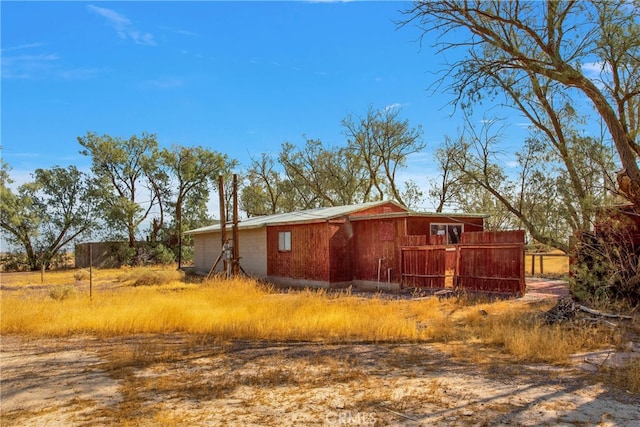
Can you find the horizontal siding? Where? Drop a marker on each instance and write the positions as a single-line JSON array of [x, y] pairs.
[[253, 251], [206, 248], [253, 259]]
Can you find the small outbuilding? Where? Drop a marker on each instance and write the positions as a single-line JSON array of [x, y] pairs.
[[333, 247]]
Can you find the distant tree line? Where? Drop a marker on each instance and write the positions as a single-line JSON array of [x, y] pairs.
[[137, 190], [133, 182]]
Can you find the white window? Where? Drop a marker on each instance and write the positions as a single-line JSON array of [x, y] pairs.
[[451, 232], [284, 241]]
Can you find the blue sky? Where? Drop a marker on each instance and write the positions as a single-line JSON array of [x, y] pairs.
[[237, 77]]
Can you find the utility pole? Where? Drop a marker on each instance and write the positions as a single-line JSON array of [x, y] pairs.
[[236, 243], [223, 220]]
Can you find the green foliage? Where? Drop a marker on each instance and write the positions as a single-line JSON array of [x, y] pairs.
[[124, 167], [192, 170], [122, 254], [163, 256], [531, 56], [47, 214], [187, 254], [14, 261]]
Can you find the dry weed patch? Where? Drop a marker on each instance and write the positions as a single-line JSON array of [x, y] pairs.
[[243, 309], [625, 377]]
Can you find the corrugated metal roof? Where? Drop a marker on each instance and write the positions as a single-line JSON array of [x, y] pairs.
[[325, 214], [311, 215]]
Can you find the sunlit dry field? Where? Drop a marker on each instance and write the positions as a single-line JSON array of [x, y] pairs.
[[550, 264], [151, 347]]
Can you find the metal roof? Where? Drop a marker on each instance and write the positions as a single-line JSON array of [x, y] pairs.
[[310, 215], [326, 214]]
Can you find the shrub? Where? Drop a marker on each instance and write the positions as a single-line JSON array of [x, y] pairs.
[[122, 253], [607, 266], [163, 256], [62, 292], [14, 261], [81, 274], [152, 277]]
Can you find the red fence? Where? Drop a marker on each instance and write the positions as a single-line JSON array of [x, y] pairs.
[[483, 261]]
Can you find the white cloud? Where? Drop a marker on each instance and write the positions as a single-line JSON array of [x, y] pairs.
[[28, 66], [595, 68], [123, 26], [392, 106], [179, 31], [22, 46]]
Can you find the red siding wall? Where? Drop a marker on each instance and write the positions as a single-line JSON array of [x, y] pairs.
[[377, 242], [384, 209], [484, 261], [340, 250], [309, 255]]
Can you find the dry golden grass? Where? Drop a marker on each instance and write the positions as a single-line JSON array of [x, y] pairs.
[[626, 377], [175, 347], [56, 277], [554, 263], [244, 309], [239, 309]]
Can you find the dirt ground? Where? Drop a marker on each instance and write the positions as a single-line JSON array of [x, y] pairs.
[[186, 380]]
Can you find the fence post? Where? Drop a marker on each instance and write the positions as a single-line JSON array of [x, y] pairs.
[[90, 271], [533, 264]]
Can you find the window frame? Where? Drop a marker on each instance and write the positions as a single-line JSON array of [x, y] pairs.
[[447, 230], [284, 241]]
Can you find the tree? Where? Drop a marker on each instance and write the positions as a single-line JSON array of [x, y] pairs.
[[317, 176], [536, 189], [448, 186], [193, 170], [548, 44], [363, 170], [45, 215], [264, 190], [129, 175], [383, 142]]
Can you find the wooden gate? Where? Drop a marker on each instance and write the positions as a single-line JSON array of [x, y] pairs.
[[482, 262]]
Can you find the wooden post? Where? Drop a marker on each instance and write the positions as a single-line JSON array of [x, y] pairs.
[[90, 270], [533, 265], [236, 243], [223, 220]]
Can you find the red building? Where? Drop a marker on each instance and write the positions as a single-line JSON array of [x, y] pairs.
[[359, 245]]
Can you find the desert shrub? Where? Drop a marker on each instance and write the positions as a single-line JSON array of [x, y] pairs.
[[122, 254], [62, 292], [151, 277], [187, 254], [81, 274], [606, 268], [14, 261], [163, 256]]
